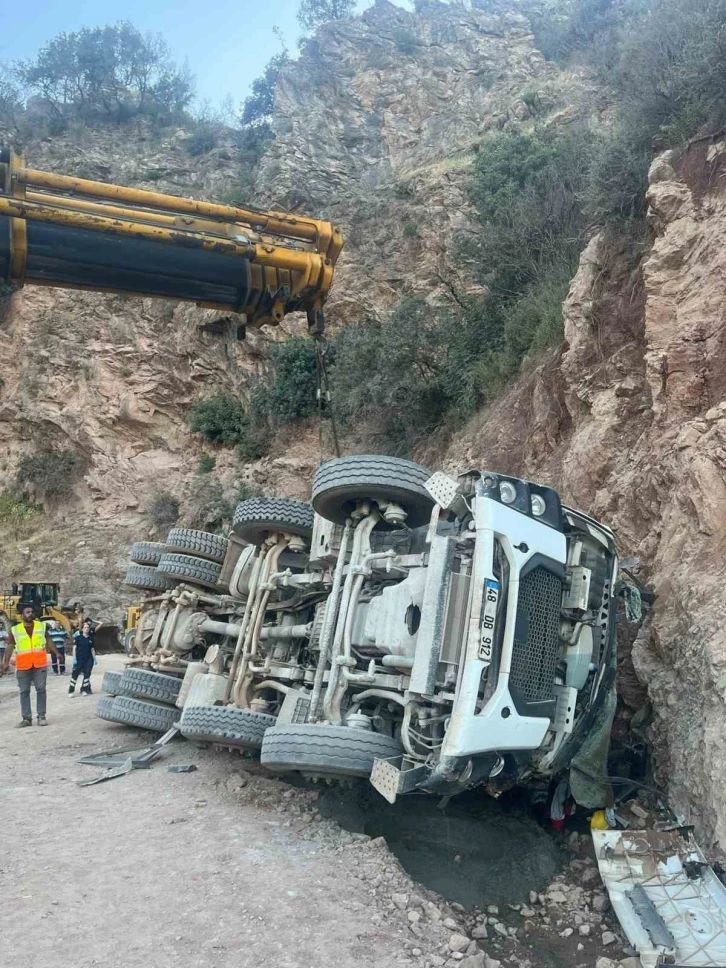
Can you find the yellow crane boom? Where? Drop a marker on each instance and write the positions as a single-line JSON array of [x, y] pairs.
[[56, 230]]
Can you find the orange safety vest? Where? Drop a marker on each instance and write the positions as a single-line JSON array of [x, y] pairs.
[[30, 649]]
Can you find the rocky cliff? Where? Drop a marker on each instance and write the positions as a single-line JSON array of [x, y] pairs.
[[628, 420], [377, 124]]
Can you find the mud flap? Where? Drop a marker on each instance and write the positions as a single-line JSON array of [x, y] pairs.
[[670, 903], [391, 778]]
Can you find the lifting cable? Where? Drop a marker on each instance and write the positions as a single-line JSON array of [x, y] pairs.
[[324, 396]]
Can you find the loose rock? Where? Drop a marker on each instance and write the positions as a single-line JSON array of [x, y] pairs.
[[458, 942]]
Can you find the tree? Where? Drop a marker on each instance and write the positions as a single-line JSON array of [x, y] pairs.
[[313, 13], [110, 74], [258, 107]]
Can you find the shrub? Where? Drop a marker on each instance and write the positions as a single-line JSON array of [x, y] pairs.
[[207, 463], [163, 509], [50, 474], [313, 13], [615, 190], [14, 511], [410, 230], [386, 375], [255, 443], [405, 41], [292, 393], [6, 294], [220, 419], [246, 491], [252, 144], [525, 190], [213, 512], [201, 142]]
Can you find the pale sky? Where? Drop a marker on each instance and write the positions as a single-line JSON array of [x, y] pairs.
[[226, 42]]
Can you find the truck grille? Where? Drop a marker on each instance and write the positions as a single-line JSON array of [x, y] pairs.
[[536, 636]]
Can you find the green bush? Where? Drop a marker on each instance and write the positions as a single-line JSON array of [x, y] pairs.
[[255, 444], [48, 474], [201, 142], [246, 491], [410, 230], [15, 512], [207, 463], [163, 509], [220, 419], [313, 13], [405, 41], [292, 393], [386, 378], [213, 511]]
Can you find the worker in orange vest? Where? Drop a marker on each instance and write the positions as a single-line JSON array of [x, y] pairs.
[[30, 639]]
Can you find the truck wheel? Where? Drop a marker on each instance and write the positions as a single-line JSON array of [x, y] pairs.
[[104, 709], [111, 684], [147, 552], [325, 750], [226, 725], [144, 576], [147, 715], [200, 544], [198, 571], [149, 685], [256, 517], [339, 483], [130, 642]]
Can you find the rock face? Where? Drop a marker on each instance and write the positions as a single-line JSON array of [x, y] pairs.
[[628, 420], [377, 125]]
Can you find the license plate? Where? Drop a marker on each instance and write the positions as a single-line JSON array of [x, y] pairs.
[[488, 619]]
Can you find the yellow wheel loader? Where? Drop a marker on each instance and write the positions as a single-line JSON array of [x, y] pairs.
[[43, 597]]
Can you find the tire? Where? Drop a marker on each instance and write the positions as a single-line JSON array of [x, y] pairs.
[[147, 577], [325, 750], [111, 684], [147, 552], [198, 571], [226, 725], [149, 685], [130, 642], [147, 715], [339, 483], [200, 544], [256, 517], [104, 709]]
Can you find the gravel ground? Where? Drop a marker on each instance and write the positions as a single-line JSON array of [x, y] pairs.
[[229, 867]]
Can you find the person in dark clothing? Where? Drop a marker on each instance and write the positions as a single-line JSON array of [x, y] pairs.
[[84, 658]]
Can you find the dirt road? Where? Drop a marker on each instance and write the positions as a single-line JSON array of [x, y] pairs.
[[159, 868], [220, 867]]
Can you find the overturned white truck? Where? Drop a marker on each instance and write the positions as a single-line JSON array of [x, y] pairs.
[[428, 632]]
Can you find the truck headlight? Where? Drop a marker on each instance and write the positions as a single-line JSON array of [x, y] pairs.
[[538, 505], [507, 492]]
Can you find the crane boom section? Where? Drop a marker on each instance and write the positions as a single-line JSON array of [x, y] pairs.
[[57, 230]]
